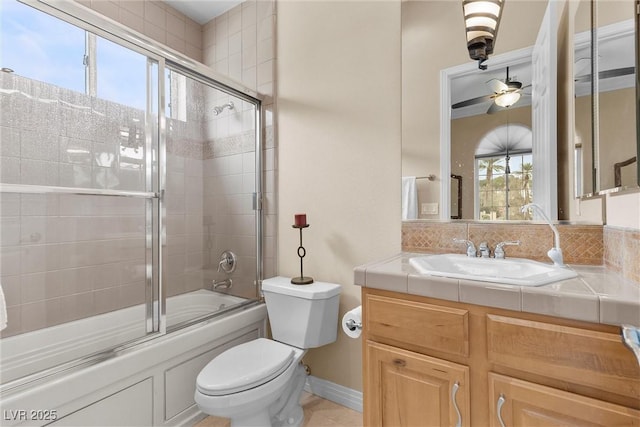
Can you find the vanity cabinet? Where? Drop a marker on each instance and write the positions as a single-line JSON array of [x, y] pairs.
[[522, 403], [412, 389], [435, 362]]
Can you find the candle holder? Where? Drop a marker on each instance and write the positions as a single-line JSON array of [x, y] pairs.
[[302, 280]]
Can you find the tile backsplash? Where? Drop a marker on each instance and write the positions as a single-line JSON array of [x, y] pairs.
[[616, 248]]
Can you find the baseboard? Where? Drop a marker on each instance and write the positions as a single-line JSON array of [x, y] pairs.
[[341, 395]]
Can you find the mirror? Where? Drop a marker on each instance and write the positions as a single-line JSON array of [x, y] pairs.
[[582, 104], [615, 152], [606, 138], [422, 24], [581, 171]]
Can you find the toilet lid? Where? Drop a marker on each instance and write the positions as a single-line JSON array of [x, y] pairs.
[[244, 366]]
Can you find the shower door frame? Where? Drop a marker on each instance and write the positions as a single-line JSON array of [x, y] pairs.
[[166, 58]]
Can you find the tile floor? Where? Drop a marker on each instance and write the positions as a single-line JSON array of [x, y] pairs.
[[317, 412]]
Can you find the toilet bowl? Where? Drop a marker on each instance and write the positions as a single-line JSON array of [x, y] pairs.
[[259, 383], [252, 383]]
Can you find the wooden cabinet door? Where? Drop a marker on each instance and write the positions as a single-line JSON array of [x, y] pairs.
[[521, 403], [404, 388]]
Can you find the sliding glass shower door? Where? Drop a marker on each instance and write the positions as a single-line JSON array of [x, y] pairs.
[[210, 192], [125, 180]]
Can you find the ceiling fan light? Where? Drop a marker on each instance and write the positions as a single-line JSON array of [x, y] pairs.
[[507, 99]]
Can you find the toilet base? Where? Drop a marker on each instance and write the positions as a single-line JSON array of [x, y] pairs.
[[287, 410]]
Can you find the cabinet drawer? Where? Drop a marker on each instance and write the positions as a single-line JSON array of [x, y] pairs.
[[579, 356], [417, 324]]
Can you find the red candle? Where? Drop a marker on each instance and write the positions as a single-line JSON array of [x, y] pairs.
[[300, 220]]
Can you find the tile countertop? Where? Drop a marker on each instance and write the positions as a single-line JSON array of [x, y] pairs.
[[597, 295]]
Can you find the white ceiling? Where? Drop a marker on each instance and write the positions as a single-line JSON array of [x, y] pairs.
[[203, 11]]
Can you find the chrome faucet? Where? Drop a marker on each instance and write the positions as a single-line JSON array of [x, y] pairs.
[[224, 284], [555, 253], [499, 252], [484, 249], [471, 248]]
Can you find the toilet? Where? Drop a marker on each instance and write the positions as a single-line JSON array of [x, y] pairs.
[[259, 383]]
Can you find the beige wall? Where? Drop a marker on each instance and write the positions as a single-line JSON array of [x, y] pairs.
[[339, 150]]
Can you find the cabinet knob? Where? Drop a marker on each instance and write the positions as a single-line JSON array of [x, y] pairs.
[[399, 363]]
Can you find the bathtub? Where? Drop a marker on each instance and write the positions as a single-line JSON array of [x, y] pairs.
[[150, 383]]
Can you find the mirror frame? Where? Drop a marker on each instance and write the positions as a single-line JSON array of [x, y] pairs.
[[514, 57]]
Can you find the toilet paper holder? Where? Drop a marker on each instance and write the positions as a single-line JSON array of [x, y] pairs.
[[352, 325]]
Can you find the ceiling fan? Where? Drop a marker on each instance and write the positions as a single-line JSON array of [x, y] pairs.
[[505, 94], [607, 74]]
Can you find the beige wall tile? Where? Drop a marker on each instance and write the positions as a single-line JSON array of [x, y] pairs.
[[175, 42], [193, 33], [154, 13], [108, 8], [176, 23], [155, 32], [135, 7], [132, 20]]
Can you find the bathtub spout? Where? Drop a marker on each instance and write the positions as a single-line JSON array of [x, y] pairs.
[[224, 284]]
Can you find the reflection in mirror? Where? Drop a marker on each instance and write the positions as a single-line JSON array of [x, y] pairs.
[[583, 117], [491, 144], [424, 149], [616, 147], [456, 196], [606, 140]]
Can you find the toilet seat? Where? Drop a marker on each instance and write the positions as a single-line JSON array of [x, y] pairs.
[[244, 367]]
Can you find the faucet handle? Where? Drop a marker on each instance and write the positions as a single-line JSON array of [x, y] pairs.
[[499, 252], [471, 248]]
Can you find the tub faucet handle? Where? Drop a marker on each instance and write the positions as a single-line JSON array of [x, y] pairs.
[[228, 262]]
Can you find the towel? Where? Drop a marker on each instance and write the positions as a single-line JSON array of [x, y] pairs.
[[409, 198], [3, 310]]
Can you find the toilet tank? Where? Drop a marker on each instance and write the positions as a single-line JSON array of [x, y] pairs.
[[304, 316]]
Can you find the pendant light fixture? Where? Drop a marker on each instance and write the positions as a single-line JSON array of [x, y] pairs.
[[481, 18]]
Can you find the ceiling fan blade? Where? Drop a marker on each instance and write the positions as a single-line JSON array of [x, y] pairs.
[[498, 86], [616, 72], [472, 101], [607, 74], [494, 108], [514, 85]]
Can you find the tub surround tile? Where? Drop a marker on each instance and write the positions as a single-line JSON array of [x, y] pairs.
[[597, 295]]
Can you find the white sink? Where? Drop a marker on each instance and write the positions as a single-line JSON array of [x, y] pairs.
[[510, 271]]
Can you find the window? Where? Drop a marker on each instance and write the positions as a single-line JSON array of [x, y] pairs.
[[504, 184]]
